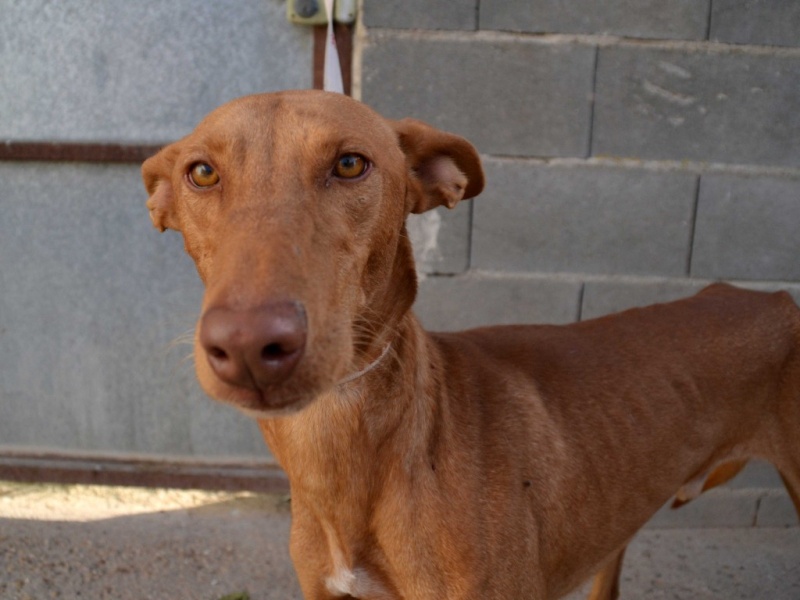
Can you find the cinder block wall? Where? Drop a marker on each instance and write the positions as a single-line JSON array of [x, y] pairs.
[[634, 151]]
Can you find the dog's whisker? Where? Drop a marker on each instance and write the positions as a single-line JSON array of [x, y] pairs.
[[187, 359], [187, 337]]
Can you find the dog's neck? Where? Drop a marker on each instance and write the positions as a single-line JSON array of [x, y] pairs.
[[330, 447]]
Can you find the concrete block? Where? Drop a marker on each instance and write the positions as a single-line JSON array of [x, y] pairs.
[[747, 228], [713, 105], [536, 218], [605, 296], [771, 23], [716, 508], [721, 564], [792, 288], [757, 474], [139, 71], [519, 97], [421, 14], [94, 310], [776, 510], [473, 300], [670, 19], [441, 239]]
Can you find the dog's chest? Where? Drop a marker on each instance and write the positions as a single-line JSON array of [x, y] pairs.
[[356, 583], [348, 580]]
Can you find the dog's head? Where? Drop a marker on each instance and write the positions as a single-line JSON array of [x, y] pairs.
[[293, 207]]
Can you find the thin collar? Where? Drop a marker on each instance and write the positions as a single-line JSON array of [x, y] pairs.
[[368, 368]]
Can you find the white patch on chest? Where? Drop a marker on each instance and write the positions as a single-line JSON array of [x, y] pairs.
[[341, 583], [347, 581], [356, 583]]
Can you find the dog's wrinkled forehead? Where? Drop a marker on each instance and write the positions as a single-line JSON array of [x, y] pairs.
[[307, 117]]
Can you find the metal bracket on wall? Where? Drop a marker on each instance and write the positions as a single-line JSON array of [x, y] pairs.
[[312, 12]]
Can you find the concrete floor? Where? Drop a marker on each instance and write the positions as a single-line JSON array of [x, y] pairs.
[[134, 544]]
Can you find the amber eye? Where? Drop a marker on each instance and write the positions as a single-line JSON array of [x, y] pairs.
[[203, 175], [350, 166]]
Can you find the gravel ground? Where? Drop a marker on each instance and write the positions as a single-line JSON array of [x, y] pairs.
[[135, 544]]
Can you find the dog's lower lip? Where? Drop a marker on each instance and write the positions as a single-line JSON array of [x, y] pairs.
[[261, 403], [252, 399]]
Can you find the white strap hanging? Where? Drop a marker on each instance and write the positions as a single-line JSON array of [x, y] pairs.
[[332, 71]]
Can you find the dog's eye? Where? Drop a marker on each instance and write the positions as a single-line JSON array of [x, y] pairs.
[[350, 166], [203, 175]]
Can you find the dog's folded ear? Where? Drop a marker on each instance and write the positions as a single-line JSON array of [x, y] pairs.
[[156, 173], [445, 168]]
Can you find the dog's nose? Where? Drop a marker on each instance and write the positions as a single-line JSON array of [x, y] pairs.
[[254, 348]]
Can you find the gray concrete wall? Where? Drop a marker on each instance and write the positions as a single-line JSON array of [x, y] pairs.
[[95, 305], [634, 151]]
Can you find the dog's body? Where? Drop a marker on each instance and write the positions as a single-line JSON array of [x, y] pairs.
[[499, 463]]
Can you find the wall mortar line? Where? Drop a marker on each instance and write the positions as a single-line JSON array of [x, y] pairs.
[[693, 225], [698, 167], [593, 103], [579, 39]]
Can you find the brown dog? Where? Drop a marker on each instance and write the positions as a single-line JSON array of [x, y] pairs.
[[502, 462]]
